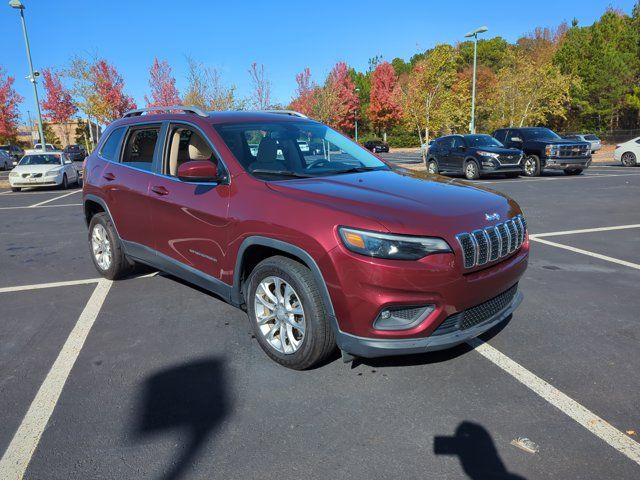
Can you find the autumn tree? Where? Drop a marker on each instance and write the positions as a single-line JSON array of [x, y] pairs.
[[344, 101], [9, 114], [207, 90], [112, 100], [260, 98], [384, 104], [163, 86], [58, 104], [306, 94]]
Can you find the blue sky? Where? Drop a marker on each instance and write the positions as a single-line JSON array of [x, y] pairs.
[[285, 36]]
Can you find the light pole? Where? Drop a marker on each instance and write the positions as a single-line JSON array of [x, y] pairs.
[[17, 4], [474, 34], [356, 113]]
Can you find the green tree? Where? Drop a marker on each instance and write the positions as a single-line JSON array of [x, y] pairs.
[[50, 136], [492, 53]]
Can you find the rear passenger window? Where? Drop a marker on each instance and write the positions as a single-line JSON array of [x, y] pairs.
[[141, 143], [110, 147]]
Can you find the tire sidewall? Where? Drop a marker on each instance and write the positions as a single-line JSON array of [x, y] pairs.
[[631, 156], [476, 174], [536, 168], [120, 266], [313, 313]]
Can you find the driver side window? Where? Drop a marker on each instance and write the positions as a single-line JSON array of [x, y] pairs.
[[185, 144]]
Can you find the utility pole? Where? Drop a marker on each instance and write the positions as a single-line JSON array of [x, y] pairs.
[[17, 4], [474, 34]]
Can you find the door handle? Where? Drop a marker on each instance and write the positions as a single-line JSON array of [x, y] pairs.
[[109, 176], [159, 190]]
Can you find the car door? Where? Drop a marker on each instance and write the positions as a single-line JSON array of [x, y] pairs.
[[69, 169], [509, 142], [444, 150], [189, 219], [457, 154], [125, 183]]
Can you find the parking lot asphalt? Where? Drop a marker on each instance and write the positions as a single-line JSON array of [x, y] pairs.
[[149, 377]]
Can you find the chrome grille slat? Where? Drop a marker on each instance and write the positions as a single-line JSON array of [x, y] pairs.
[[492, 243]]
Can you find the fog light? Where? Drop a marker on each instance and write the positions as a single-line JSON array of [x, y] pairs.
[[402, 318]]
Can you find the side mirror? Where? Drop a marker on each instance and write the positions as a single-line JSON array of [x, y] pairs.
[[516, 139], [461, 148], [198, 171]]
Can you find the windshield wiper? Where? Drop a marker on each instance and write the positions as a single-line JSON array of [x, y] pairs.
[[357, 169], [284, 173]]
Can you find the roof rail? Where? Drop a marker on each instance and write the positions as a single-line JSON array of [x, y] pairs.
[[292, 113], [183, 108]]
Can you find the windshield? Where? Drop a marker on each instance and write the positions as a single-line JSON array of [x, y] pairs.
[[276, 150], [590, 137], [482, 141], [539, 134], [41, 160]]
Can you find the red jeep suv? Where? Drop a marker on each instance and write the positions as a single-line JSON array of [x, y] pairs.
[[322, 247]]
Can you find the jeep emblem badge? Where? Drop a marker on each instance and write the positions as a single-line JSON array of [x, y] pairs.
[[492, 216]]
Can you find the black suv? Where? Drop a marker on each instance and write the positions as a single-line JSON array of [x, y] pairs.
[[376, 146], [546, 150], [77, 153], [473, 156]]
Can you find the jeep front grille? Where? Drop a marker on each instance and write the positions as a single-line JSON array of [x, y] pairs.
[[491, 243], [476, 315]]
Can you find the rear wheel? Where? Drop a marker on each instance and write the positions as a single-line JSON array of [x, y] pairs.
[[573, 171], [532, 166], [65, 182], [287, 313], [628, 159], [15, 189], [432, 167], [106, 249], [471, 170]]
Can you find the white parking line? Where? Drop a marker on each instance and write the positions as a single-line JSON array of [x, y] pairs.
[[587, 252], [42, 206], [16, 458], [38, 286], [543, 179], [55, 198], [589, 420], [584, 230]]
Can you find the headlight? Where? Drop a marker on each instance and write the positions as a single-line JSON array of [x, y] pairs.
[[14, 174], [488, 154], [398, 247], [551, 149], [52, 173]]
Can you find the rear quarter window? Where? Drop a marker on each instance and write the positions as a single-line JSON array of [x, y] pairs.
[[110, 147]]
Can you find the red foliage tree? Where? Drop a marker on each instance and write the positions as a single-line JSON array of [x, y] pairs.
[[58, 104], [261, 95], [113, 102], [163, 86], [305, 93], [9, 114], [346, 100], [384, 100]]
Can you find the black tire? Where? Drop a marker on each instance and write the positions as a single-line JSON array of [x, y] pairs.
[[432, 167], [532, 166], [319, 339], [628, 159], [120, 265], [65, 183], [15, 189], [471, 170], [513, 174], [573, 171]]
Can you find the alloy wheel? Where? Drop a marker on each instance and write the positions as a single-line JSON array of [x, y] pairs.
[[628, 159], [101, 247], [529, 166], [432, 168], [280, 315], [470, 170]]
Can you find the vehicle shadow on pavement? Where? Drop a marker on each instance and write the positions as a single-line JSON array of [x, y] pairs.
[[428, 357], [478, 455], [190, 398]]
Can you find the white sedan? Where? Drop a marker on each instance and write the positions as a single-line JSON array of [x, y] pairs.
[[43, 169], [628, 153]]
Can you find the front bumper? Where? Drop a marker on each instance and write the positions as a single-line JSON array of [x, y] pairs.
[[35, 182], [562, 163], [375, 347]]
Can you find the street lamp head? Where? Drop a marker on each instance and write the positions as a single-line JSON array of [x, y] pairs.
[[476, 31], [16, 4]]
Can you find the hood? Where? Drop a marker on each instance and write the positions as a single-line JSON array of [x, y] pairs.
[[499, 150], [404, 202], [35, 168], [561, 141]]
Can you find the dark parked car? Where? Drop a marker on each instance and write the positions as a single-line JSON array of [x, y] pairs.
[[77, 153], [319, 249], [474, 156], [376, 146], [14, 150], [546, 150]]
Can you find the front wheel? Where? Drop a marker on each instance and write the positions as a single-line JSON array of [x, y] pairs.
[[471, 170], [573, 171], [15, 189], [432, 167], [628, 159], [532, 166], [65, 183], [288, 315]]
